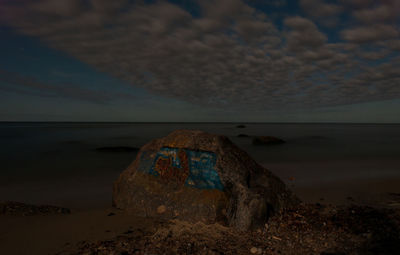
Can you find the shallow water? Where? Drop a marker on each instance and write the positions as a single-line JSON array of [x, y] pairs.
[[57, 162]]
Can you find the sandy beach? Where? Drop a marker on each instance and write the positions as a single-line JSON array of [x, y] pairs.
[[102, 230], [67, 233], [326, 177], [51, 234]]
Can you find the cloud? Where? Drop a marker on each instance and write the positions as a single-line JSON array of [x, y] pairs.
[[273, 3], [14, 82], [229, 56], [303, 34], [325, 13], [318, 8], [370, 33], [378, 14], [357, 3]]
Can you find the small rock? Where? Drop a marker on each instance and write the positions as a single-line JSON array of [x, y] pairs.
[[161, 209], [254, 250], [111, 214]]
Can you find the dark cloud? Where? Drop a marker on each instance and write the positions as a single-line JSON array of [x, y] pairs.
[[357, 3], [372, 33], [325, 13], [231, 55], [304, 34], [14, 82], [379, 14], [320, 8]]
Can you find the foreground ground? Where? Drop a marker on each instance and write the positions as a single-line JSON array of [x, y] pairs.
[[309, 229]]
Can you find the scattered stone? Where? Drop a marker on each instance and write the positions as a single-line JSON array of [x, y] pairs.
[[203, 177], [161, 209], [117, 149], [368, 231], [276, 238], [254, 250], [267, 140], [21, 209]]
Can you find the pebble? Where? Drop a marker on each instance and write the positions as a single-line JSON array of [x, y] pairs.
[[161, 209], [254, 250]]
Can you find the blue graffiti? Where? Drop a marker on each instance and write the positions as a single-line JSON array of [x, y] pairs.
[[191, 168]]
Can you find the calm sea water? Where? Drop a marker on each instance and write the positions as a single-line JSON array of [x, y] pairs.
[[57, 162]]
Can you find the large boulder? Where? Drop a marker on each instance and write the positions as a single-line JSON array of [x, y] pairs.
[[196, 176]]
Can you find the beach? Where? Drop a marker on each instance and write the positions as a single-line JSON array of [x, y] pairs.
[[60, 164]]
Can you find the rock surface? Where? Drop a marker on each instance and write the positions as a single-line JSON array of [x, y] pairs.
[[267, 140], [201, 177]]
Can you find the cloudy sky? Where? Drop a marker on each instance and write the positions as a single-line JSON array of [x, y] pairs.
[[187, 60]]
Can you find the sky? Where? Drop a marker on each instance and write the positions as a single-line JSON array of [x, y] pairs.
[[187, 60]]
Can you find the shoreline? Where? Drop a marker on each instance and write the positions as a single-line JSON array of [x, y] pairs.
[[309, 229], [91, 195]]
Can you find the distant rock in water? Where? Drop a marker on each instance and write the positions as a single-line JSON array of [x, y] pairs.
[[117, 149], [196, 176], [267, 140], [21, 209], [242, 135], [240, 126]]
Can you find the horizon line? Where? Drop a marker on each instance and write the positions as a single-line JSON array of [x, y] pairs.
[[195, 122]]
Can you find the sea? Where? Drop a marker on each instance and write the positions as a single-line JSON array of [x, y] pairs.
[[57, 162]]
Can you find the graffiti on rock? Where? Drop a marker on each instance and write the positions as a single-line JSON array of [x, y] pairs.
[[187, 167]]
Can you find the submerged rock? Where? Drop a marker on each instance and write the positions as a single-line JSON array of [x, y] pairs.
[[196, 176], [267, 140]]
